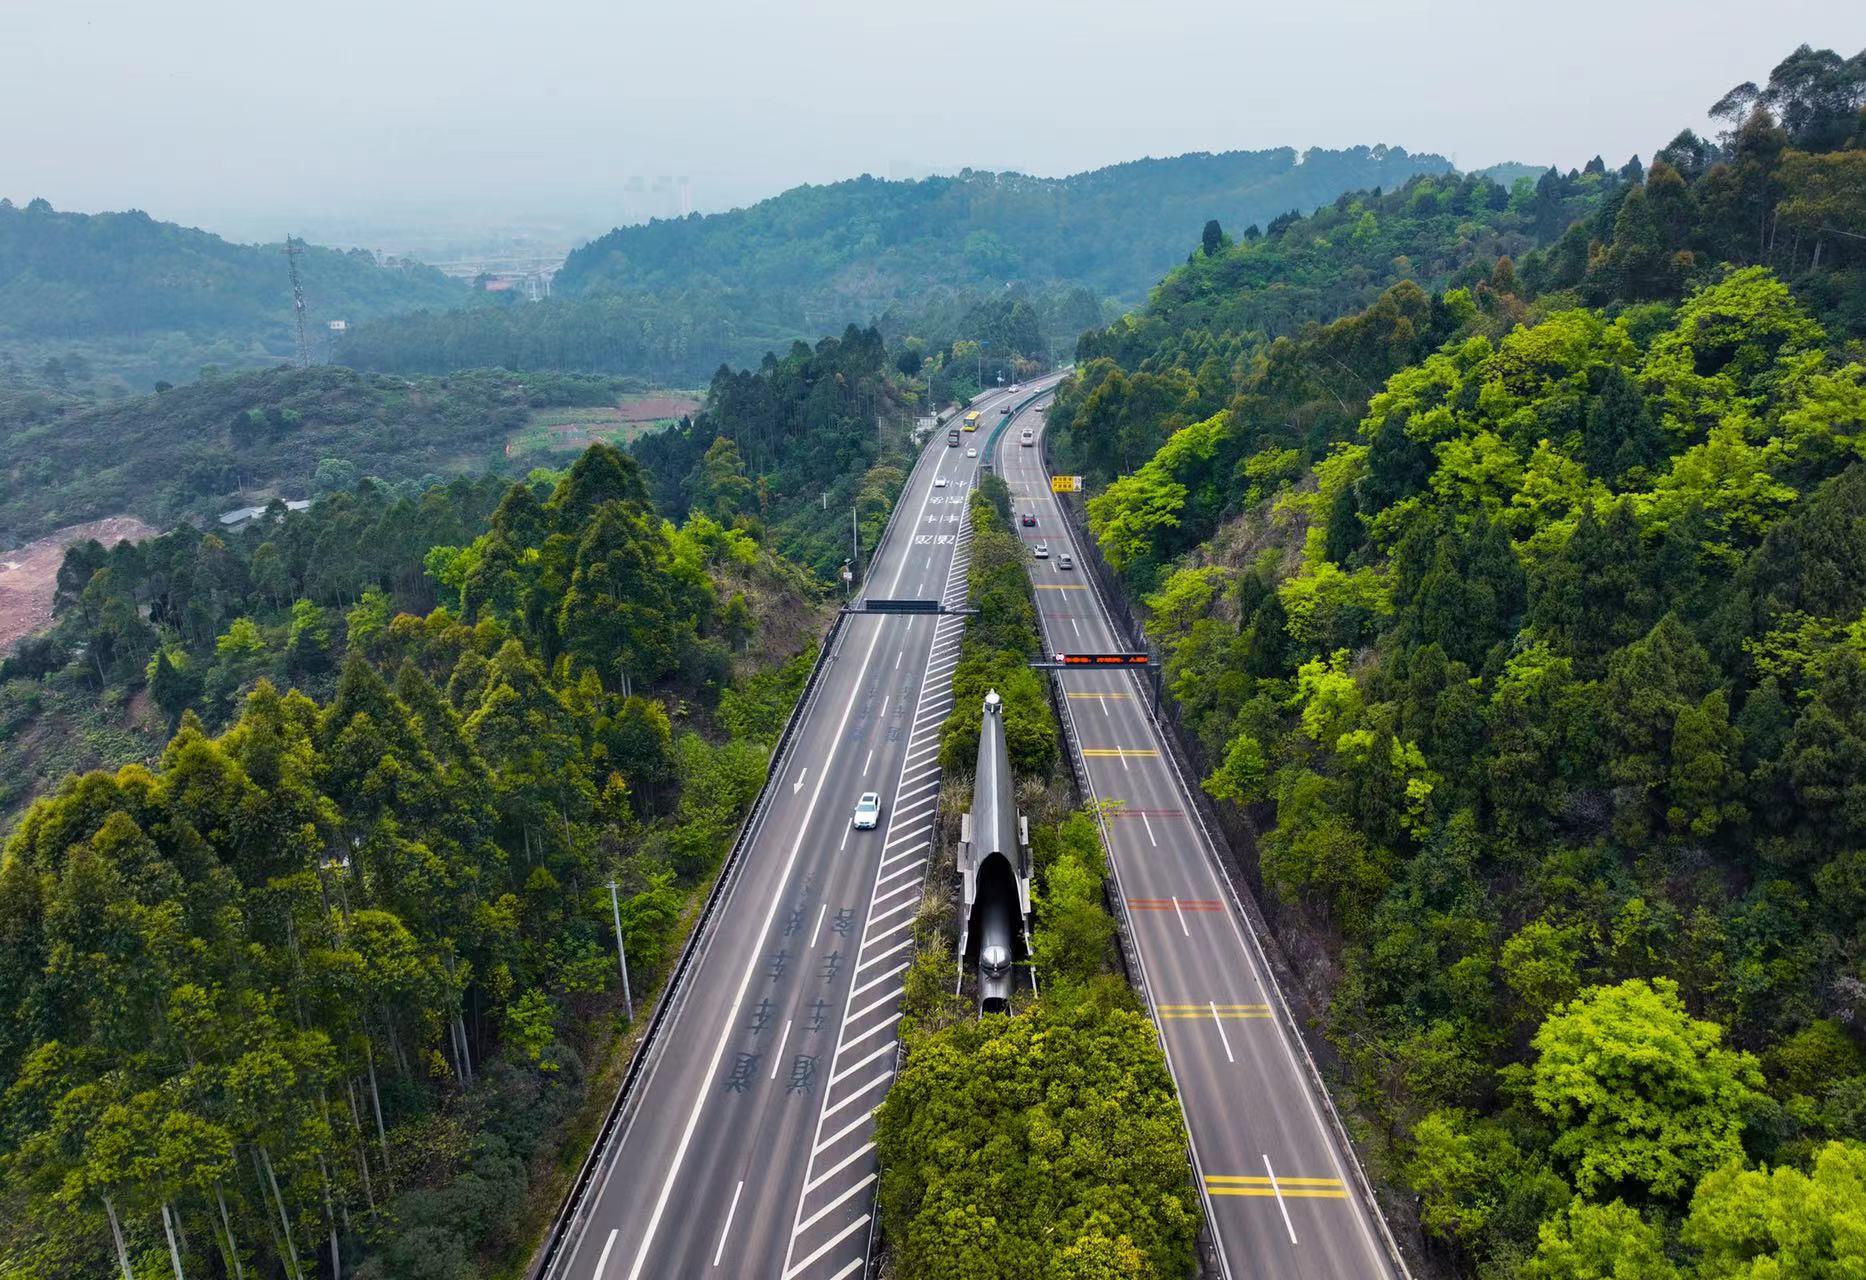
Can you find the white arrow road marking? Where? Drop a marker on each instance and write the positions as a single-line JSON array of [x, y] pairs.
[[797, 786]]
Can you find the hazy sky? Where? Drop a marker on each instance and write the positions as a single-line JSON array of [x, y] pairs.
[[243, 114]]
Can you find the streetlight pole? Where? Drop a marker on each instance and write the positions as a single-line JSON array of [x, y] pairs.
[[615, 905], [855, 542]]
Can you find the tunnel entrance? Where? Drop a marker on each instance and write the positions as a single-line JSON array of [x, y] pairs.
[[998, 941]]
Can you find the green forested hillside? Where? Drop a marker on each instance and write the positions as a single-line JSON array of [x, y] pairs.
[[862, 245], [203, 448], [773, 441], [674, 299], [1523, 623], [143, 299], [326, 982]]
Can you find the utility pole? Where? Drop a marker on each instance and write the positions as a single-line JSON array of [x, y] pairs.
[[855, 542], [291, 252], [615, 905]]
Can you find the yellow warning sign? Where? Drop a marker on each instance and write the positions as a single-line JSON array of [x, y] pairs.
[[1065, 484]]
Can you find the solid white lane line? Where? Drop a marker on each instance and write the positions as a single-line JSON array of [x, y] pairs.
[[1287, 1224], [779, 1055], [1219, 1023], [820, 913], [850, 1070], [844, 1132], [883, 1025], [875, 982], [1182, 918], [841, 1235], [603, 1261], [720, 1252], [1149, 826], [811, 1221], [827, 1174]]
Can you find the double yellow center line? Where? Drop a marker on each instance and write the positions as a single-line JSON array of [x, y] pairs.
[[1289, 1188]]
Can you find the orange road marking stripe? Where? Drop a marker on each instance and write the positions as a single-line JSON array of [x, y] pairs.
[[1289, 1188]]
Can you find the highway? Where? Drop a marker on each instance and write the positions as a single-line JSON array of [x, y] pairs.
[[1282, 1195], [745, 1148]]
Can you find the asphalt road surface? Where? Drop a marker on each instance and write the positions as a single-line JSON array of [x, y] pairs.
[[1281, 1193], [746, 1149]]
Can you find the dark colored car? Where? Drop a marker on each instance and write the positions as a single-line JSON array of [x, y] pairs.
[[1030, 520]]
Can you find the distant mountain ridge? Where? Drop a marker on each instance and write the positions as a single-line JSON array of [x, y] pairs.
[[855, 248], [149, 298], [675, 299]]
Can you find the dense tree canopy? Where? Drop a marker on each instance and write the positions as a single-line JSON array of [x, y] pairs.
[[1523, 623], [323, 982]]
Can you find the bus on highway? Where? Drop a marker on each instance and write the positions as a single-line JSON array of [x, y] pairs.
[[971, 421]]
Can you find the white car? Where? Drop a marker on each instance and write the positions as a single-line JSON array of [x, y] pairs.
[[868, 811], [939, 482], [1041, 551], [1065, 562], [971, 453]]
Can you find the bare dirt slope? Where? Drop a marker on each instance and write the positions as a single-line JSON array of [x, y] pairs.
[[29, 575]]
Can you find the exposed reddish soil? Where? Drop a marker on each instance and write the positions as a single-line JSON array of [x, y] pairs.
[[29, 576]]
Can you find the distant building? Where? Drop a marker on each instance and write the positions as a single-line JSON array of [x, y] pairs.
[[239, 519]]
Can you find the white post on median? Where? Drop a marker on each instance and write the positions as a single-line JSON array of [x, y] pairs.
[[615, 905]]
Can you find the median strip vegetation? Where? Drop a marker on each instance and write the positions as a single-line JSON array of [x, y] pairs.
[[1047, 1142]]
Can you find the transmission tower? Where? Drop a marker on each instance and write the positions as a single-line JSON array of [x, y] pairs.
[[291, 252]]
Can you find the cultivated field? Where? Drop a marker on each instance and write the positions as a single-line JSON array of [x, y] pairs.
[[568, 430]]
